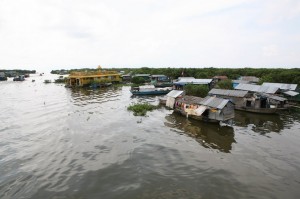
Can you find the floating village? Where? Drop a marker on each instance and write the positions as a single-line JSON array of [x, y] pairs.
[[217, 106]]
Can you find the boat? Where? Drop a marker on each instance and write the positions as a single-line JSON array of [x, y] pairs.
[[100, 85], [149, 90], [257, 110], [19, 78]]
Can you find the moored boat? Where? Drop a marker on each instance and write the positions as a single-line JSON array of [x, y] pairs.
[[149, 90]]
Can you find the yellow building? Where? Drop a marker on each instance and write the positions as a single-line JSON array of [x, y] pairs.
[[87, 78]]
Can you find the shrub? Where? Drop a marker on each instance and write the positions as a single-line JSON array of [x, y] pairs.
[[138, 80], [196, 90]]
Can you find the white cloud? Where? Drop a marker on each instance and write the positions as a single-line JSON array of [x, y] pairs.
[[134, 33]]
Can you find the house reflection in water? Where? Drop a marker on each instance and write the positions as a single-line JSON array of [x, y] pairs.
[[262, 123], [208, 135]]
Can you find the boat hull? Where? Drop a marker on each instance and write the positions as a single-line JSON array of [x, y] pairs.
[[150, 92], [262, 110]]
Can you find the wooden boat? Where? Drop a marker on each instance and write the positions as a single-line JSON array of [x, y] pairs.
[[100, 85], [257, 110], [19, 78], [149, 90]]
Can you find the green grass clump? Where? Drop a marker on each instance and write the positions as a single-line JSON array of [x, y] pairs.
[[141, 109]]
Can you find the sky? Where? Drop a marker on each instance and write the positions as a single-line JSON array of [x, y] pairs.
[[65, 34]]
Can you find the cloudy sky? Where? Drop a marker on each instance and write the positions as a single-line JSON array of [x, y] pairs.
[[54, 34]]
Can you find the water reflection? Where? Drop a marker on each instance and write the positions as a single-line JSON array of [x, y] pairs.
[[262, 123], [208, 135], [82, 96]]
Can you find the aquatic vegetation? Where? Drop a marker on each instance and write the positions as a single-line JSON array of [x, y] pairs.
[[140, 109]]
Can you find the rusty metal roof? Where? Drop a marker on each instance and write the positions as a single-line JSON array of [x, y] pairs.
[[188, 99], [214, 102]]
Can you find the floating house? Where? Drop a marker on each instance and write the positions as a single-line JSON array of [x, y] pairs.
[[290, 91], [209, 109], [257, 88], [219, 78], [19, 78], [3, 76], [250, 79], [161, 81], [149, 90], [286, 87], [252, 102], [179, 85], [292, 96], [171, 97], [126, 78], [82, 79], [146, 77], [237, 82]]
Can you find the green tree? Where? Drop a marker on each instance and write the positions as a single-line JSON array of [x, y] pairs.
[[138, 80], [224, 84], [196, 90]]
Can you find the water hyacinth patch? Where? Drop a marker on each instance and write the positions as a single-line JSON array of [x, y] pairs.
[[141, 109]]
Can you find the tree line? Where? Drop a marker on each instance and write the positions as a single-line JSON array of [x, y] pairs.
[[276, 75]]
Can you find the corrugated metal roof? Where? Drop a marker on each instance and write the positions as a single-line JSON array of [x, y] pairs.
[[282, 86], [174, 93], [291, 93], [220, 77], [214, 102], [142, 75], [231, 93], [158, 76], [240, 81], [257, 88], [274, 97], [193, 81], [179, 78], [249, 78]]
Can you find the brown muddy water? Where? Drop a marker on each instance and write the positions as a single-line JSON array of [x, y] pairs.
[[57, 142]]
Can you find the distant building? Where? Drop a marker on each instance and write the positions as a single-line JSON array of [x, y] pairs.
[[146, 77], [252, 101], [3, 76], [179, 85], [81, 79], [250, 79], [257, 88], [281, 86], [219, 78], [237, 82]]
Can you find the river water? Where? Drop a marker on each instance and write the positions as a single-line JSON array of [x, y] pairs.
[[57, 142]]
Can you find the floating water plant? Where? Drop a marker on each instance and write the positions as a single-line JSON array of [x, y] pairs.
[[141, 109]]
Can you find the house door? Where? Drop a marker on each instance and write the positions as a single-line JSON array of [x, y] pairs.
[[263, 103]]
